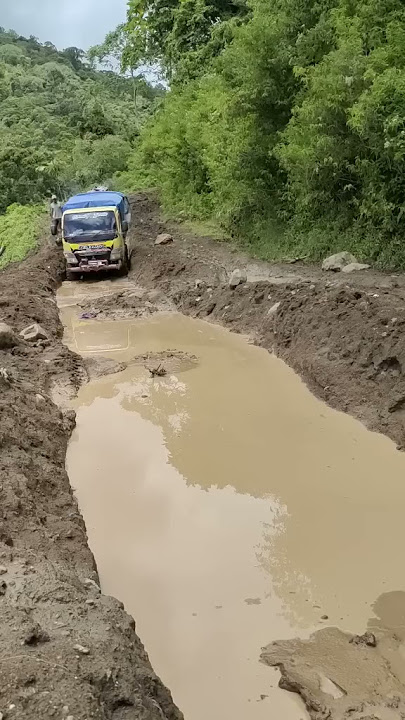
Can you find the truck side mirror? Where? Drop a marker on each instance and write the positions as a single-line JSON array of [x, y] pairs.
[[124, 226]]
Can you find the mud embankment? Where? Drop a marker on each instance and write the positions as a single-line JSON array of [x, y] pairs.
[[343, 334], [67, 651]]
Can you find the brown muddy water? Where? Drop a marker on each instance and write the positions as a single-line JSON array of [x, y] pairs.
[[225, 505]]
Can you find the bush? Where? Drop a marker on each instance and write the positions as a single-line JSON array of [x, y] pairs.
[[20, 229], [293, 135]]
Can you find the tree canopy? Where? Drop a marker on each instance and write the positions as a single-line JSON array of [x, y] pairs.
[[63, 123], [281, 113], [285, 119]]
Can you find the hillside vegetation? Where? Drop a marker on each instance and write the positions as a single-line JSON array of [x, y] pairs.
[[63, 124], [285, 120], [21, 227]]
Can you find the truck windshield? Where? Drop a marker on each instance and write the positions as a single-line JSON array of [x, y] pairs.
[[101, 224]]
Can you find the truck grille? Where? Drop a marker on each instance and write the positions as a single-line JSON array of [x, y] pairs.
[[83, 256]]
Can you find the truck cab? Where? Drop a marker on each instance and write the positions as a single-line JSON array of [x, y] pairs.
[[94, 233]]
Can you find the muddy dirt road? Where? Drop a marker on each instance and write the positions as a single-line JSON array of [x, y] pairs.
[[206, 523], [243, 510], [236, 510], [66, 651], [343, 334], [177, 533]]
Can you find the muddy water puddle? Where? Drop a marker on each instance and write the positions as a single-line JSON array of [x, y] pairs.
[[226, 506]]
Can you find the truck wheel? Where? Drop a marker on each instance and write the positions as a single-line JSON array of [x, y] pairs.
[[125, 265], [71, 275]]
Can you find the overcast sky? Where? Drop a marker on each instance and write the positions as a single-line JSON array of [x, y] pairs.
[[66, 23]]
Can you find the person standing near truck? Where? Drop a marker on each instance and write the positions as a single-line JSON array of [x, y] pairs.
[[55, 211]]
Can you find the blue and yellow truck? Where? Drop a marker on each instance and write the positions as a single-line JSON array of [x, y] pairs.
[[94, 233]]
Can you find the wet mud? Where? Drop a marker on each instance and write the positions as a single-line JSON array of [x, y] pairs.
[[344, 335], [66, 650], [324, 542], [243, 510], [176, 539]]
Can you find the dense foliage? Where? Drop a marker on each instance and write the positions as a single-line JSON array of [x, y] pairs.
[[285, 120], [63, 124], [20, 229]]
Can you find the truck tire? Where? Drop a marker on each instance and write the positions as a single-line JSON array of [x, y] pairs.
[[71, 275], [125, 265]]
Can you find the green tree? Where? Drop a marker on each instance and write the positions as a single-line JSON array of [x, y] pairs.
[[290, 111], [181, 35], [53, 103]]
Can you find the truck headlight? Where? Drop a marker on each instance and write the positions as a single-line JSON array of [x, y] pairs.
[[116, 254], [71, 258]]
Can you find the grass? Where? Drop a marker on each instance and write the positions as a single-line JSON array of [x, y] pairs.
[[205, 228], [265, 237], [20, 229]]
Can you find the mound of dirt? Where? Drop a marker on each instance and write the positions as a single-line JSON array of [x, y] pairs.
[[338, 678], [173, 361], [344, 336], [133, 302], [66, 651]]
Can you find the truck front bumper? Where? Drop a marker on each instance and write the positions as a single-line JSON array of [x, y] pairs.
[[94, 266]]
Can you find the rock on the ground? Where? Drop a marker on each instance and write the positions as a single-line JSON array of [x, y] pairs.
[[36, 635], [33, 333], [354, 267], [337, 262], [273, 310], [8, 338], [81, 649], [5, 378], [69, 419], [91, 584], [40, 400], [164, 239], [368, 638], [237, 278]]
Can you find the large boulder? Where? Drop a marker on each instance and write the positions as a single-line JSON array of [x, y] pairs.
[[164, 239], [237, 278], [33, 333], [337, 262], [355, 267], [8, 338]]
